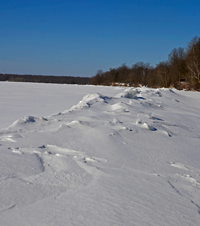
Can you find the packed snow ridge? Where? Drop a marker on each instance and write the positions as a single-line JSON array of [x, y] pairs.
[[127, 159]]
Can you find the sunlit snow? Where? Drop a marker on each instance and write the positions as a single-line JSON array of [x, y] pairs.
[[98, 156]]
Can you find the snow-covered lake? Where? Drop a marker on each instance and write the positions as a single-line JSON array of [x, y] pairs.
[[98, 156]]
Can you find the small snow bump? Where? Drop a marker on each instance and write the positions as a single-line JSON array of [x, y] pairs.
[[17, 152]]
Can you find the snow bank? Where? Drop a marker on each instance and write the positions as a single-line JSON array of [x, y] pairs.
[[108, 160]]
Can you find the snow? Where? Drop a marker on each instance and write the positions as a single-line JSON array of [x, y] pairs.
[[92, 155]]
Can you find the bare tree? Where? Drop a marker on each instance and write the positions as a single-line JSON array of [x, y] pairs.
[[176, 60], [163, 73], [193, 60], [141, 71]]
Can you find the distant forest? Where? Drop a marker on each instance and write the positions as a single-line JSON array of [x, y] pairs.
[[181, 70], [45, 79]]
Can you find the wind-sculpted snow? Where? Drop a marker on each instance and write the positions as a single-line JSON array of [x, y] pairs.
[[88, 100], [127, 159]]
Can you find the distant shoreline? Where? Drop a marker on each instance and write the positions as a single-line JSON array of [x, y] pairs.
[[45, 79]]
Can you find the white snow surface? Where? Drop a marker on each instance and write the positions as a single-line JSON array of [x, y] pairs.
[[98, 156]]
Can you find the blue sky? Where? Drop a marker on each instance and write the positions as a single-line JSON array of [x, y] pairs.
[[79, 37]]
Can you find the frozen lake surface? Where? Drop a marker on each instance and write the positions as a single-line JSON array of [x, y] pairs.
[[87, 155]]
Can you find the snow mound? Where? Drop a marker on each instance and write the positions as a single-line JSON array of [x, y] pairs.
[[146, 93], [128, 93], [27, 120], [119, 107], [88, 100], [32, 123]]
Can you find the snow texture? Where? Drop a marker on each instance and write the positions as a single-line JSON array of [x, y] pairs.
[[115, 157]]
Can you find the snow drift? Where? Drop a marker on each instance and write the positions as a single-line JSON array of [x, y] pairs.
[[127, 159]]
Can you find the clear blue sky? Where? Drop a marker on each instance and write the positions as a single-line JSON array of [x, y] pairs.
[[78, 37]]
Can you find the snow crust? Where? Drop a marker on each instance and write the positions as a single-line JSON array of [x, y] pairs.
[[116, 157]]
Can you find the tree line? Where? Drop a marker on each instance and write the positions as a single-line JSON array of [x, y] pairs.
[[45, 79], [180, 70]]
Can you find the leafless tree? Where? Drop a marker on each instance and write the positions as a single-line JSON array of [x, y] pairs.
[[193, 60], [141, 71], [176, 60], [163, 73]]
